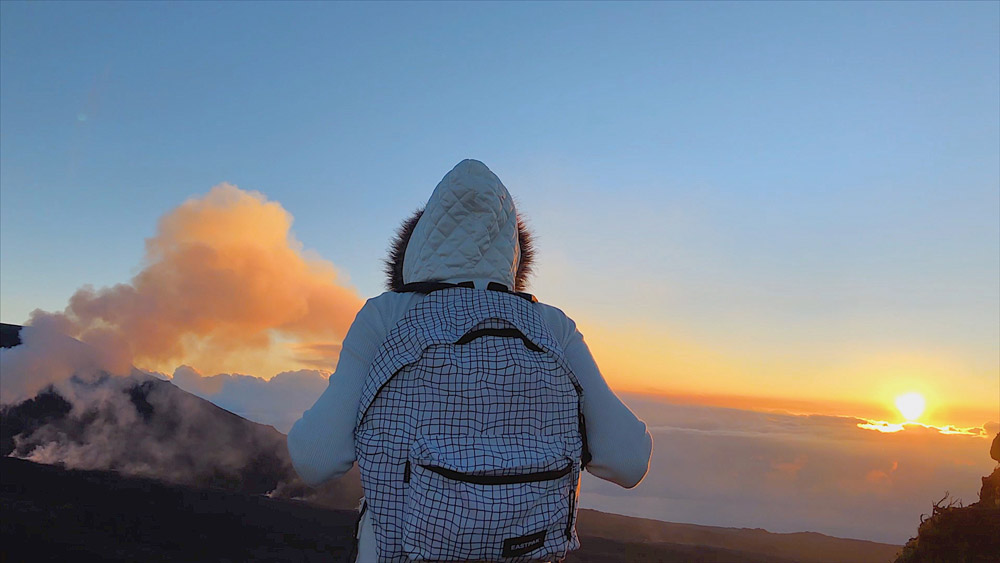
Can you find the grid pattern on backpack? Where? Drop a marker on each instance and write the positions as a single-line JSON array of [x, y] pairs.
[[471, 451]]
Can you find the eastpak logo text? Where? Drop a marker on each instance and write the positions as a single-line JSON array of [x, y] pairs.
[[512, 547]]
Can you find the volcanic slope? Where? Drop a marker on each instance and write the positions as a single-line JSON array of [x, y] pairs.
[[144, 426]]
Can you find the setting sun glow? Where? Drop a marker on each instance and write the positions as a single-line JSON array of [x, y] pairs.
[[911, 405]]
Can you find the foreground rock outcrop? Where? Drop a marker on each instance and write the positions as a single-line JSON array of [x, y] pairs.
[[967, 534]]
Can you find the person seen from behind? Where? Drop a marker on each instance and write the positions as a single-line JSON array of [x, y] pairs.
[[470, 407]]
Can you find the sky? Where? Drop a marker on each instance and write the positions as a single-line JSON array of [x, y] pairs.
[[767, 206]]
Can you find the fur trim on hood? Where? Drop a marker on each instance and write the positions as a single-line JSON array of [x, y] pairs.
[[397, 249]]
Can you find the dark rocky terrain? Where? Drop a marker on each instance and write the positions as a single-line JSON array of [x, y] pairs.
[[55, 514], [970, 534]]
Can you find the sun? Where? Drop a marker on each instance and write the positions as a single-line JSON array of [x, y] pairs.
[[911, 405]]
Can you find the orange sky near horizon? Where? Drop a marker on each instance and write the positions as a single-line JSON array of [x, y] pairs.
[[646, 361], [652, 361]]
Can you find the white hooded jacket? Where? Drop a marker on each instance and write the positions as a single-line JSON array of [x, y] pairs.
[[468, 231]]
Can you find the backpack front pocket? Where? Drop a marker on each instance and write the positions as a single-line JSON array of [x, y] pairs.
[[488, 498]]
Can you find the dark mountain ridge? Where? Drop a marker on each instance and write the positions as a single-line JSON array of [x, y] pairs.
[[252, 458]]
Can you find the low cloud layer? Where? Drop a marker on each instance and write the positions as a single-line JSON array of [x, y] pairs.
[[792, 473], [732, 467]]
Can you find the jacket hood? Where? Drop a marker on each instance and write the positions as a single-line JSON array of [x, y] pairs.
[[469, 230]]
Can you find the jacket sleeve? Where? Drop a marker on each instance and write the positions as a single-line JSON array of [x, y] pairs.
[[321, 443], [619, 443]]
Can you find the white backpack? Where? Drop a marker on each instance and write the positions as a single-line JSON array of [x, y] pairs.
[[470, 435]]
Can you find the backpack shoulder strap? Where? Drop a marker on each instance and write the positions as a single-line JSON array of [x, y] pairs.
[[426, 287], [494, 286]]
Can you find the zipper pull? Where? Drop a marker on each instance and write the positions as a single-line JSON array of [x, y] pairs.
[[406, 472]]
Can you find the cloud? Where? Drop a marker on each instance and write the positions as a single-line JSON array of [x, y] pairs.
[[920, 428], [47, 357], [318, 355], [224, 285], [790, 473], [278, 402]]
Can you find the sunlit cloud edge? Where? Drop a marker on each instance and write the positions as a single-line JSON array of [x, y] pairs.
[[892, 427]]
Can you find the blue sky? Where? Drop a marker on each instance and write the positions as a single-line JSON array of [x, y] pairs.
[[783, 184]]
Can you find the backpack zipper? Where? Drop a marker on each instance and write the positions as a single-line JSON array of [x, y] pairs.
[[572, 513], [495, 479]]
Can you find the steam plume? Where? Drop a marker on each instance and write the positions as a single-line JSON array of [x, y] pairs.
[[224, 281]]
